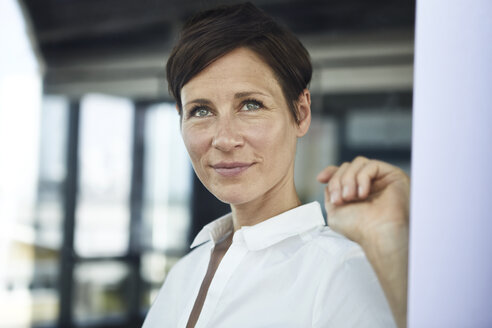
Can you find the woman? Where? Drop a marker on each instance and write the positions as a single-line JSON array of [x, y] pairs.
[[240, 83]]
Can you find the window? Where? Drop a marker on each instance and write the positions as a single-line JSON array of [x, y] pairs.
[[166, 197], [102, 216]]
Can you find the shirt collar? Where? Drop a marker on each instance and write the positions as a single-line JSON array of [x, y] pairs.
[[216, 231], [269, 232]]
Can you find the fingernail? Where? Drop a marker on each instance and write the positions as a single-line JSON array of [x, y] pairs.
[[345, 191], [334, 196], [360, 191]]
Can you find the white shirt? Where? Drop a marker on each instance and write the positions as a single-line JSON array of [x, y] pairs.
[[288, 271]]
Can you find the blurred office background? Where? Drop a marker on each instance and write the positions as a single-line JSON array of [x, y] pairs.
[[97, 196]]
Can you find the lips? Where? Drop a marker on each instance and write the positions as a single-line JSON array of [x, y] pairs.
[[231, 169]]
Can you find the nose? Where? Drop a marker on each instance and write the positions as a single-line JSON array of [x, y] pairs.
[[227, 135]]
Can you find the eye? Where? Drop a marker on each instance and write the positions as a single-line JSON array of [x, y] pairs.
[[252, 105], [200, 112]]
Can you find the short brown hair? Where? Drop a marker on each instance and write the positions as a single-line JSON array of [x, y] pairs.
[[211, 34]]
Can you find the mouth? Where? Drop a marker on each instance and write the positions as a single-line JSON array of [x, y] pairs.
[[231, 169]]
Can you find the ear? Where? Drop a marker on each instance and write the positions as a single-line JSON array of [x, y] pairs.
[[304, 112]]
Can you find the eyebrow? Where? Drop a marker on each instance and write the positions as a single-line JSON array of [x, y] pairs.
[[238, 95], [201, 101], [247, 94]]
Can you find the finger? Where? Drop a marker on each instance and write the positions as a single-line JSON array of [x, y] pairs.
[[373, 170], [364, 177], [349, 182], [342, 220], [385, 175], [325, 175], [334, 185], [329, 206]]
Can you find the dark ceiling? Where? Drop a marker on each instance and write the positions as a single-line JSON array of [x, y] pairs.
[[70, 33]]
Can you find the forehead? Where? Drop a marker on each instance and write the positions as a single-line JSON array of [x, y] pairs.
[[239, 70]]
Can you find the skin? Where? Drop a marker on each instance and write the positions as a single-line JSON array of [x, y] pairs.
[[226, 130], [223, 124]]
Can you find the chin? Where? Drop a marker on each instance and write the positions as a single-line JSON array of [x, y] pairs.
[[231, 199], [233, 196]]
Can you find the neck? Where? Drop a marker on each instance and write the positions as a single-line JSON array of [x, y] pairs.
[[279, 199]]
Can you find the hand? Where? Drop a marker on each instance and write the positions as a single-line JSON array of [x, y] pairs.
[[367, 201]]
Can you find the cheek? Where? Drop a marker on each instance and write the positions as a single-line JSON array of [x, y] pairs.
[[274, 140], [196, 142]]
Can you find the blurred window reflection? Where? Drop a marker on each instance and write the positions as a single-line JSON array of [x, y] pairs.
[[100, 291], [52, 171], [370, 128], [315, 150], [26, 262], [168, 181], [102, 217], [166, 197], [155, 267]]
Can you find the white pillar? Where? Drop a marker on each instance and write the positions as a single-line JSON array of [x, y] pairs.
[[451, 208]]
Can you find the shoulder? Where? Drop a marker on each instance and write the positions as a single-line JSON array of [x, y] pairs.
[[350, 293], [333, 245], [343, 260], [319, 247]]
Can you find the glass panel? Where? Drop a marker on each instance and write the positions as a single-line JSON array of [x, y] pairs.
[[369, 128], [49, 210], [317, 149], [52, 171], [154, 269], [100, 291], [102, 216], [20, 110], [33, 256], [166, 198], [167, 182]]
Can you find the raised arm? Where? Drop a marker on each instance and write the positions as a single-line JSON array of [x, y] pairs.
[[368, 202]]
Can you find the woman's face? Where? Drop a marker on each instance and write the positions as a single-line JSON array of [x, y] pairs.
[[238, 129]]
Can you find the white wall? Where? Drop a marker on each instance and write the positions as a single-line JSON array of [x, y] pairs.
[[451, 210]]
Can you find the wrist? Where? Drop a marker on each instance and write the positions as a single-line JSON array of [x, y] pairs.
[[388, 255], [386, 243]]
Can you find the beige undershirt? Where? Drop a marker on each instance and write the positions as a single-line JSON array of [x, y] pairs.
[[217, 254]]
